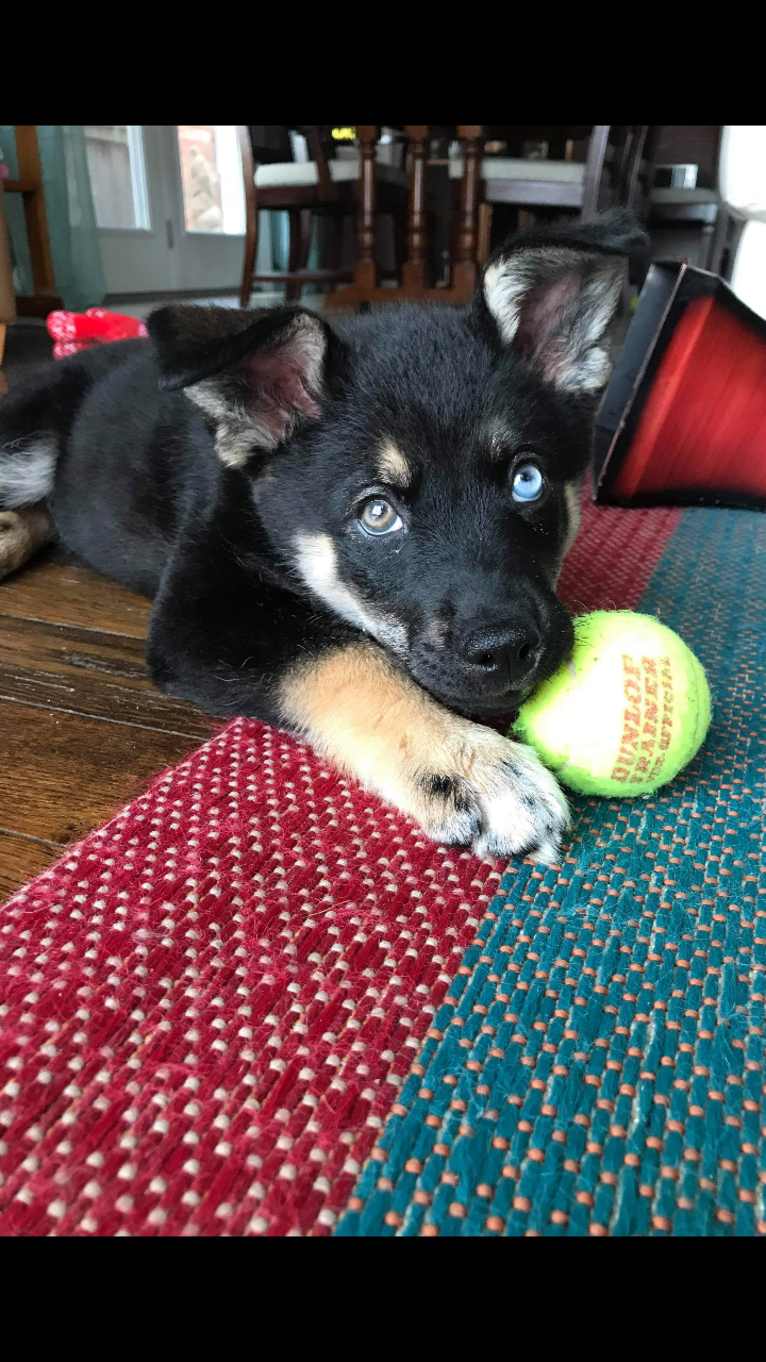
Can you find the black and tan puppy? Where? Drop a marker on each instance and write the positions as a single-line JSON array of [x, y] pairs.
[[355, 531]]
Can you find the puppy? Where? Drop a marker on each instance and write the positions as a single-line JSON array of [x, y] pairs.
[[351, 531]]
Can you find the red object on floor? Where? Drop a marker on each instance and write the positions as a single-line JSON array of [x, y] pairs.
[[209, 1005], [75, 331], [703, 427], [683, 420], [632, 552]]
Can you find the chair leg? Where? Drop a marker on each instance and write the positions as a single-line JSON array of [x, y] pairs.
[[400, 242], [718, 241], [292, 287], [594, 167], [248, 266], [734, 229], [251, 215], [485, 232], [300, 242], [338, 234], [633, 167], [434, 263], [306, 222]]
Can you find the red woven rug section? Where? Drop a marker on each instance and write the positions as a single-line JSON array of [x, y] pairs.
[[210, 1004], [614, 555]]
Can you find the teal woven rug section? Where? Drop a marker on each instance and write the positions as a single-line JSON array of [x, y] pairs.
[[598, 1064]]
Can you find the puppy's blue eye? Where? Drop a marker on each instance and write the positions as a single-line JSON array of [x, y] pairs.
[[378, 516], [527, 482]]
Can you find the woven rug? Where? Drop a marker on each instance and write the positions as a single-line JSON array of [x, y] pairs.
[[259, 1002]]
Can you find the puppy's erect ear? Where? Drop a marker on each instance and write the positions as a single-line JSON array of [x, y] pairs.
[[254, 375], [552, 294]]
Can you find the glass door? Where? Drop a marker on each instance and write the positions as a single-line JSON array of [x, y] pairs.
[[211, 208], [126, 175], [169, 206]]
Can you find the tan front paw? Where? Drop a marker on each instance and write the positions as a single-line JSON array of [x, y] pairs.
[[463, 783]]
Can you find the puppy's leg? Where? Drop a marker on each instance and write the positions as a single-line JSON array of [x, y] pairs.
[[253, 648], [462, 782], [22, 533]]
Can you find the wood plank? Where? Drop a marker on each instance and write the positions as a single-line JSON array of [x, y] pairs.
[[63, 594], [69, 648], [21, 858], [93, 698], [84, 671], [19, 186], [62, 774]]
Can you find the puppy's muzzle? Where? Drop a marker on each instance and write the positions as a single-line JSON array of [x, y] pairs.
[[495, 660]]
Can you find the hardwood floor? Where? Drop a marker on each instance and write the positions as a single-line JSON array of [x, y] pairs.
[[82, 729]]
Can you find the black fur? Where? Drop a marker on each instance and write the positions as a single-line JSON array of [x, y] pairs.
[[300, 410]]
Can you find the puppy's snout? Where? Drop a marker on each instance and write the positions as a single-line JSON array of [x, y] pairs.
[[510, 649]]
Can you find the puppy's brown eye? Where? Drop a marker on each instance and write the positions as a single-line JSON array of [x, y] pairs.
[[378, 516]]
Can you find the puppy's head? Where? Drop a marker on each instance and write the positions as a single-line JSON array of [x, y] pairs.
[[418, 471]]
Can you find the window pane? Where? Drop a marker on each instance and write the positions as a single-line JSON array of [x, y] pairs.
[[117, 175], [211, 174]]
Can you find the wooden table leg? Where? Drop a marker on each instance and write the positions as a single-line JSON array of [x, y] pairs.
[[464, 269], [413, 272], [365, 274]]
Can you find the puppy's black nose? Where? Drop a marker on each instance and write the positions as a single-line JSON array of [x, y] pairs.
[[509, 649]]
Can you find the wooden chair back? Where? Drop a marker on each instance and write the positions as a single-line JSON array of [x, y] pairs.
[[336, 197]]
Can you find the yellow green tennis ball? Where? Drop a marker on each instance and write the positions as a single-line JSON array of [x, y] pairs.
[[626, 713]]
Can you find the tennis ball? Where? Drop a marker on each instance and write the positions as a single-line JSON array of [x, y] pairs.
[[628, 710]]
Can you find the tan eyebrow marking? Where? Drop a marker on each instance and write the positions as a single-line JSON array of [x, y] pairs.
[[393, 467], [498, 439]]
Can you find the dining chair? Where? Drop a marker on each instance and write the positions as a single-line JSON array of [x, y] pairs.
[[678, 214], [324, 185], [609, 172]]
